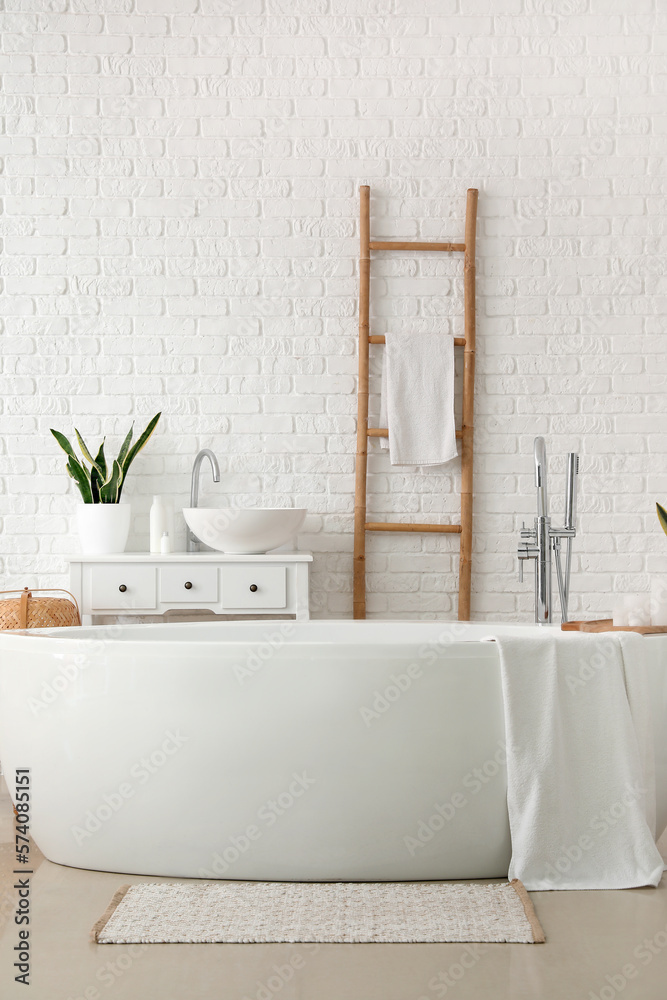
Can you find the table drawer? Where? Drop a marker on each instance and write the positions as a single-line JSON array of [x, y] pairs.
[[188, 584], [115, 586], [254, 586]]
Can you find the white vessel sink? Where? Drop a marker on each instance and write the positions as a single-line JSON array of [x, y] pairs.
[[244, 532]]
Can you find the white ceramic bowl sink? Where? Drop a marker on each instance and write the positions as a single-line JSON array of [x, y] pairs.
[[244, 532]]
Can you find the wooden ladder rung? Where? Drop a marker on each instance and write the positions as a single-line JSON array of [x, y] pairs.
[[448, 529], [383, 432], [379, 338], [447, 247]]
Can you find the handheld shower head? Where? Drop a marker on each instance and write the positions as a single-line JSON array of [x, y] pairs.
[[540, 453], [571, 489]]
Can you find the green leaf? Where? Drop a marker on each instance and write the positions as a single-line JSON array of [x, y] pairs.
[[86, 454], [80, 477], [141, 441], [662, 517], [125, 447], [100, 460], [64, 444], [75, 468], [109, 491], [95, 484]]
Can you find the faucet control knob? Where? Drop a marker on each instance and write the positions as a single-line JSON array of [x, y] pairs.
[[526, 551]]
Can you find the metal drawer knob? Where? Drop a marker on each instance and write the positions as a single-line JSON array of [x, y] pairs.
[[122, 588], [253, 588], [188, 586]]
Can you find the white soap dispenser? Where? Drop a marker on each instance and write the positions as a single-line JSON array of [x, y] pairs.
[[158, 523]]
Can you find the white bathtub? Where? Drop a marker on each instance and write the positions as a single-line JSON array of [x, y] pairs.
[[259, 750]]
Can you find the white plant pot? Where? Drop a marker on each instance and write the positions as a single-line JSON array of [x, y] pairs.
[[103, 527]]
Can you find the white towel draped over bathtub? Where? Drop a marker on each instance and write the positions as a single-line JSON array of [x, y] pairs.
[[580, 765], [417, 403]]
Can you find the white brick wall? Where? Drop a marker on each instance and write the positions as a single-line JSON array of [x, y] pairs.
[[179, 202]]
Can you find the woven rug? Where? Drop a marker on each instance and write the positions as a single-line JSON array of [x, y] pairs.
[[327, 912]]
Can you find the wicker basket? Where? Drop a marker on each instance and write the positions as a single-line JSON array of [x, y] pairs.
[[27, 611]]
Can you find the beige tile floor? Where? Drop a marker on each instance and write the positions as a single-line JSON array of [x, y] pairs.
[[591, 937]]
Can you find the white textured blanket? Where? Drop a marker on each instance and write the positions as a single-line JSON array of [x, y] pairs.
[[580, 768]]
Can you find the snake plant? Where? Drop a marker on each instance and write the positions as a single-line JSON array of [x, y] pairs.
[[102, 482], [662, 517]]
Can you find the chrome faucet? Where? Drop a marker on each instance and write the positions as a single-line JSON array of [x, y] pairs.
[[193, 541], [538, 543]]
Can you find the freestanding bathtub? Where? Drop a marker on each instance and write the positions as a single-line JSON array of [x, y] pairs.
[[270, 750]]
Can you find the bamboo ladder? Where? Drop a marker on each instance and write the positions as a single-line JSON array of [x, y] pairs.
[[361, 525]]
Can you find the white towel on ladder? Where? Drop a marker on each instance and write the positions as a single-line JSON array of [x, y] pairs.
[[417, 403]]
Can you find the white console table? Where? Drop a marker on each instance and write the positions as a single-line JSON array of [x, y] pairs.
[[142, 583]]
